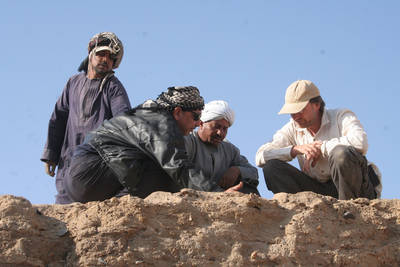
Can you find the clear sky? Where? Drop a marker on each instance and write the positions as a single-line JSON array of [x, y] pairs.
[[244, 52]]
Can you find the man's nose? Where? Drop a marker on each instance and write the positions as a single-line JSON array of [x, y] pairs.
[[220, 132], [197, 123]]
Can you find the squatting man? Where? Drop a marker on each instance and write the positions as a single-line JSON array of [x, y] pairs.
[[330, 145], [219, 159]]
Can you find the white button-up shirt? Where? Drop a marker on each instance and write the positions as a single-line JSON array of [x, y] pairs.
[[338, 127]]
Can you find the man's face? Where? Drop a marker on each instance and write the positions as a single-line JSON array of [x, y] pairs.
[[308, 116], [213, 132], [102, 63], [187, 120]]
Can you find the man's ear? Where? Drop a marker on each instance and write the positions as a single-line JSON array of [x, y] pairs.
[[317, 105], [177, 113], [201, 127]]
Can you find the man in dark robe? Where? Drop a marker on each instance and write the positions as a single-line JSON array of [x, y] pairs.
[[88, 99]]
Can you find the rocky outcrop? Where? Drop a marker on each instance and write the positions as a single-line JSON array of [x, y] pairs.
[[193, 228]]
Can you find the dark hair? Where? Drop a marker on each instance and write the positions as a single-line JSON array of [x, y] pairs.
[[318, 99]]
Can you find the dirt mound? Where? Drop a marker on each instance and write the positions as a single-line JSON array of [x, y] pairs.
[[193, 228]]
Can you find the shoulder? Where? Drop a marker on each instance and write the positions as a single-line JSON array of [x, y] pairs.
[[115, 82], [226, 144], [114, 87], [339, 113], [77, 77], [289, 128], [74, 81], [160, 121], [191, 142]]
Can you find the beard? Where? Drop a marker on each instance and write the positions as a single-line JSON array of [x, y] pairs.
[[303, 123], [101, 69]]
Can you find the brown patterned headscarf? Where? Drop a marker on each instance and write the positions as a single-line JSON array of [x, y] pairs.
[[107, 41], [104, 41], [186, 97]]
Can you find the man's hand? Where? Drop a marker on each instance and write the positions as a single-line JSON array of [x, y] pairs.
[[235, 188], [312, 153], [229, 178], [50, 168]]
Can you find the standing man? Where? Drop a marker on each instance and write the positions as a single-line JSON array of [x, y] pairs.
[[87, 100], [142, 151], [330, 145], [218, 159]]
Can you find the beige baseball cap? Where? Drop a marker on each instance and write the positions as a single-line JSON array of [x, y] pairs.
[[297, 96]]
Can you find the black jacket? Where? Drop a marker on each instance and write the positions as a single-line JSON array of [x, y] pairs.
[[125, 141]]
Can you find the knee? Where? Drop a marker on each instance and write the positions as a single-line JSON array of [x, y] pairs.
[[272, 165], [272, 170], [342, 154]]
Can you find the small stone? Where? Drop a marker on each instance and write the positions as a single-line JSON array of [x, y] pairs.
[[348, 215], [62, 232], [102, 261]]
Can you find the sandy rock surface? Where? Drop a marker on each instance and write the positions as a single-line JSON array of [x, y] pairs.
[[193, 228]]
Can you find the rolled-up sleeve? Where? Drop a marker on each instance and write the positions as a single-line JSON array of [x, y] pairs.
[[352, 134]]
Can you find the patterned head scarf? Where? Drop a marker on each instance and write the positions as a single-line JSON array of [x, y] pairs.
[[104, 41], [107, 41], [186, 97], [216, 110]]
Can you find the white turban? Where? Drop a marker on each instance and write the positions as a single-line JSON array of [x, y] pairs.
[[216, 110]]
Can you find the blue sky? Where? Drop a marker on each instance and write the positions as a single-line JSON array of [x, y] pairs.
[[244, 52]]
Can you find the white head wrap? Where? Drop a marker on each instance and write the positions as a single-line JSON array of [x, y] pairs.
[[216, 110]]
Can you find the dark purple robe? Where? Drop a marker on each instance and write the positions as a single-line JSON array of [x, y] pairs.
[[82, 107]]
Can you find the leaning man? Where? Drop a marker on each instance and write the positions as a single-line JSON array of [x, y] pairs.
[[218, 159], [330, 145], [142, 151]]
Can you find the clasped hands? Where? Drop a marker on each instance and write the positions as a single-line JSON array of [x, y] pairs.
[[312, 153]]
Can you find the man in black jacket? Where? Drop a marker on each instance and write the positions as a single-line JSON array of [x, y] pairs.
[[142, 151]]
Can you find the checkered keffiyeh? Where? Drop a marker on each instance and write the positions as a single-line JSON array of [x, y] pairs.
[[186, 97]]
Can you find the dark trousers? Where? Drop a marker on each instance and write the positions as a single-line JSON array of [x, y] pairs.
[[90, 179], [348, 171]]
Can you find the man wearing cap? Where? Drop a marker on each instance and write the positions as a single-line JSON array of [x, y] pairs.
[[87, 100], [142, 151], [330, 145], [219, 160]]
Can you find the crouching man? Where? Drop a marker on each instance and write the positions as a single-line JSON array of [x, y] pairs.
[[218, 159], [330, 145], [142, 151]]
